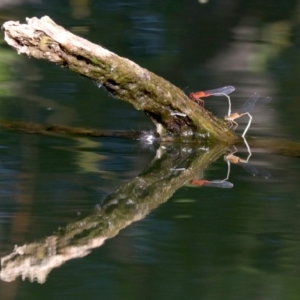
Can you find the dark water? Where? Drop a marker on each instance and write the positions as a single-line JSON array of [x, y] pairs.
[[172, 241]]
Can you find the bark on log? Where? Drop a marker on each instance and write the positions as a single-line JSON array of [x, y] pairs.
[[173, 113]]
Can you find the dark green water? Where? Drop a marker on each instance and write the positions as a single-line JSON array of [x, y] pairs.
[[202, 242]]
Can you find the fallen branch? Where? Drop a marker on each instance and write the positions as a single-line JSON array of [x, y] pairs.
[[49, 129], [173, 113]]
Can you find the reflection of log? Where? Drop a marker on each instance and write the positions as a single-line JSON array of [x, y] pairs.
[[158, 98], [170, 169]]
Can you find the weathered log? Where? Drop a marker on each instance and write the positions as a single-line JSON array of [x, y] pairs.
[[173, 113]]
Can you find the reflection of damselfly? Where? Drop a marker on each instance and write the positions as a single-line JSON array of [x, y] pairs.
[[223, 91], [230, 158], [213, 183], [244, 110]]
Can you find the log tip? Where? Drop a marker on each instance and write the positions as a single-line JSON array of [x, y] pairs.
[[8, 24], [33, 20]]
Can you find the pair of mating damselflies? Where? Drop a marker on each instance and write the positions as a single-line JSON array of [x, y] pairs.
[[225, 91]]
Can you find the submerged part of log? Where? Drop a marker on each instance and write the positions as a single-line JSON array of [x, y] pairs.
[[269, 145], [168, 107]]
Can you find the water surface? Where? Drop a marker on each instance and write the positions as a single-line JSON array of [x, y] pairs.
[[202, 242]]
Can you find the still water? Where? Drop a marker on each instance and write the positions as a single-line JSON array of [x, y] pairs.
[[108, 218]]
